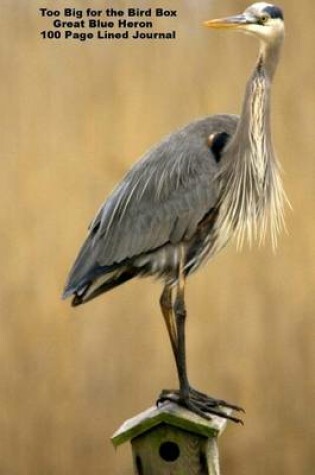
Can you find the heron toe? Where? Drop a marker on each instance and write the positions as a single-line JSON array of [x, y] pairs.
[[200, 403]]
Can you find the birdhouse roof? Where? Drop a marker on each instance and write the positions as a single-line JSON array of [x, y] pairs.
[[173, 415]]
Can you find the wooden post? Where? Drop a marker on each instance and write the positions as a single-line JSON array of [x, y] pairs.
[[170, 440]]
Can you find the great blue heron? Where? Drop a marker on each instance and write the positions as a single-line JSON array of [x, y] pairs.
[[216, 178]]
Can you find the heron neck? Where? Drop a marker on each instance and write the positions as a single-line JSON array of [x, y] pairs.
[[255, 116], [269, 57], [254, 120], [245, 162], [249, 177]]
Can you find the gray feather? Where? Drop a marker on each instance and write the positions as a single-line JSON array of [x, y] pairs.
[[160, 200]]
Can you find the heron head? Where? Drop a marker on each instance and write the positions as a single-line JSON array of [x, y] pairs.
[[261, 19]]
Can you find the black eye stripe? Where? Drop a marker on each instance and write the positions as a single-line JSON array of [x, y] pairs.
[[273, 11]]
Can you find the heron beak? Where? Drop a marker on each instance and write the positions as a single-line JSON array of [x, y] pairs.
[[231, 22]]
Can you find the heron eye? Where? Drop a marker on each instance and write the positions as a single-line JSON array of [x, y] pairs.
[[263, 19]]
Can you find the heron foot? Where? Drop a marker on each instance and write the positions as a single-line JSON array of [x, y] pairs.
[[200, 403]]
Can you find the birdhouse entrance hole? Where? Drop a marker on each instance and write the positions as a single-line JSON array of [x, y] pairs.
[[169, 451]]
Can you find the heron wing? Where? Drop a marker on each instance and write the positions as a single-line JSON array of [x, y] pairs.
[[161, 199]]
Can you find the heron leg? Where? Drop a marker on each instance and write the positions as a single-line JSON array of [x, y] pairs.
[[168, 314], [175, 319], [180, 318], [175, 316]]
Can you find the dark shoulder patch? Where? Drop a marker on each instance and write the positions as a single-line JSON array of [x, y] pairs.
[[274, 12], [217, 143]]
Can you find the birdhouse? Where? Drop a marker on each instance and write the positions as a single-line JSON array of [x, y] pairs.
[[170, 440]]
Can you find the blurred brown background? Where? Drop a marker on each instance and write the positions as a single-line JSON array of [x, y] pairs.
[[74, 118]]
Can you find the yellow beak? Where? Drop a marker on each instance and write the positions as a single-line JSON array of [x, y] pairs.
[[231, 22]]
